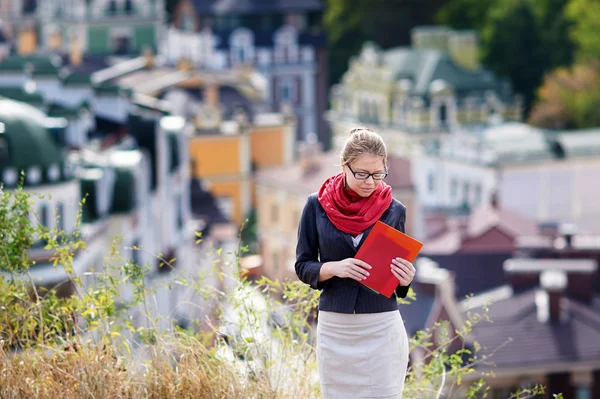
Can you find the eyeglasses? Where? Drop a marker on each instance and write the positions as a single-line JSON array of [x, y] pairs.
[[365, 175]]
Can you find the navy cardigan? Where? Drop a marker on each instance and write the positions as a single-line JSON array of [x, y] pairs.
[[319, 241]]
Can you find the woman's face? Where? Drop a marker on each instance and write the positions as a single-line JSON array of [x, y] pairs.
[[364, 164]]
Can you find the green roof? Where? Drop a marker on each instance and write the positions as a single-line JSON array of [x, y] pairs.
[[423, 66], [26, 143], [19, 94], [60, 111], [76, 79], [41, 64]]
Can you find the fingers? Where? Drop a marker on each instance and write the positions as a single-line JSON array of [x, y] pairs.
[[398, 271], [361, 271], [401, 279], [361, 263], [405, 265], [356, 276], [403, 270]]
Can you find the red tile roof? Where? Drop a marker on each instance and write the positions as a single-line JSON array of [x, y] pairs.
[[481, 221]]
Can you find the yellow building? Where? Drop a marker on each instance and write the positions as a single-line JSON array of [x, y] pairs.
[[282, 194], [227, 158], [231, 135]]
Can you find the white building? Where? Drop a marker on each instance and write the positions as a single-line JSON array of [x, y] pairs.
[[281, 40], [137, 192]]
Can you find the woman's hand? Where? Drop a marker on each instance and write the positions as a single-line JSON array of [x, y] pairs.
[[403, 270], [350, 268]]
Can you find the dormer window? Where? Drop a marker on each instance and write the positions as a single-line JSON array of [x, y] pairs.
[[112, 7], [286, 45], [128, 7], [287, 89], [242, 46]]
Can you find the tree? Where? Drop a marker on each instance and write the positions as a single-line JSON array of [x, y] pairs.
[[388, 23], [465, 14], [514, 48], [569, 98], [522, 39], [585, 16], [557, 44]]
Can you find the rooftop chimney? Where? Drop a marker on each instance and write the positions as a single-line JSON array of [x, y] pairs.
[[549, 300]]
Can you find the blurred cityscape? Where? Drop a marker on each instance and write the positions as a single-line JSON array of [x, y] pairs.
[[179, 118]]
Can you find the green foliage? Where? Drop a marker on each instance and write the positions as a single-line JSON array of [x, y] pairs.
[[521, 40], [257, 343], [349, 23], [514, 48], [585, 15], [569, 98], [465, 14]]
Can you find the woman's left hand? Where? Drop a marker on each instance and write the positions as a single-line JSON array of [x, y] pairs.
[[403, 270]]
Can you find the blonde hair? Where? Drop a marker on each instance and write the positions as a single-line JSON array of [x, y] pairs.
[[361, 141]]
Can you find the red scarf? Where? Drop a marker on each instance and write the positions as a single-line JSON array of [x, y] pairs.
[[350, 212]]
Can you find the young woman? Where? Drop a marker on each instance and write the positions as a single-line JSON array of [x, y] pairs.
[[362, 345]]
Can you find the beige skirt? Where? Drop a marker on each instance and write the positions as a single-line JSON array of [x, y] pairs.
[[362, 355]]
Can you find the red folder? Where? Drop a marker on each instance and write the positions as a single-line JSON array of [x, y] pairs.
[[383, 244]]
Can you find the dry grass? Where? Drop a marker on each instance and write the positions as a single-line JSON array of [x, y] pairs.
[[185, 370], [182, 368]]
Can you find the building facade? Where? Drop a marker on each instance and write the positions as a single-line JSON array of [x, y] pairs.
[[100, 27], [136, 190], [282, 40], [434, 86]]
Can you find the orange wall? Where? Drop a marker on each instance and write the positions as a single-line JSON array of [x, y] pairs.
[[27, 42], [268, 146], [214, 156]]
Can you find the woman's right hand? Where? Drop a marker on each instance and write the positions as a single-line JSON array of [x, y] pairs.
[[351, 268]]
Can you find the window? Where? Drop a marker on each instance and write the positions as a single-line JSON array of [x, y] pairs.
[[453, 189], [295, 220], [274, 213], [43, 216], [477, 194], [286, 45], [121, 44], [466, 192], [179, 213], [3, 145], [275, 262], [128, 7], [112, 7], [242, 46], [431, 182], [135, 253], [443, 114], [60, 216], [287, 90]]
